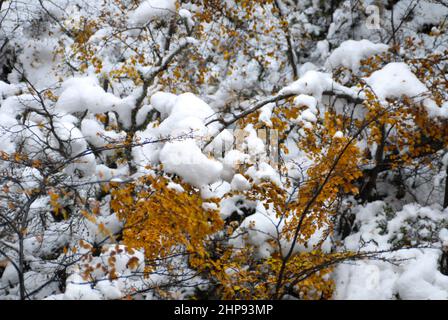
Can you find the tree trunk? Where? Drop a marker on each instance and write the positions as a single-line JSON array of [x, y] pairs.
[[445, 200]]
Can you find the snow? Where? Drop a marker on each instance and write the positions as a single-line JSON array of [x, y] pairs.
[[264, 173], [338, 135], [185, 159], [152, 9], [232, 160], [240, 183], [186, 114], [95, 134], [306, 100], [38, 57], [218, 189], [307, 66], [350, 53], [7, 90], [183, 120], [266, 114], [14, 105], [187, 15], [184, 13], [110, 290], [314, 83], [422, 280], [252, 143], [84, 93], [79, 289], [364, 281], [443, 235], [106, 173], [10, 275], [419, 280], [171, 143], [163, 102], [307, 115], [396, 80], [415, 275], [122, 257], [104, 288], [262, 228], [7, 142]]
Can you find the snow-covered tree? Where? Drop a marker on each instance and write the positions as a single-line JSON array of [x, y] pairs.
[[162, 149]]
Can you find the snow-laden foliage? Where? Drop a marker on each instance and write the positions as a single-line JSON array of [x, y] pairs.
[[160, 149]]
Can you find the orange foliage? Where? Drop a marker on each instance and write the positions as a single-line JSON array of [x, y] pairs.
[[164, 221]]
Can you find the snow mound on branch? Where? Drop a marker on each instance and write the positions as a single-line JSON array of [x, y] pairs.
[[185, 159], [309, 115], [240, 183], [85, 93], [266, 114], [264, 173], [7, 143], [396, 80], [95, 134], [184, 123], [81, 94], [14, 105], [153, 9], [416, 278], [262, 227], [253, 144], [315, 83], [350, 53], [415, 273], [66, 131], [7, 90], [10, 275], [186, 114], [232, 160], [185, 14], [308, 101]]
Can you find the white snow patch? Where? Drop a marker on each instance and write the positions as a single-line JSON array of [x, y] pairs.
[[350, 53], [314, 83], [396, 80], [80, 94], [152, 9]]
